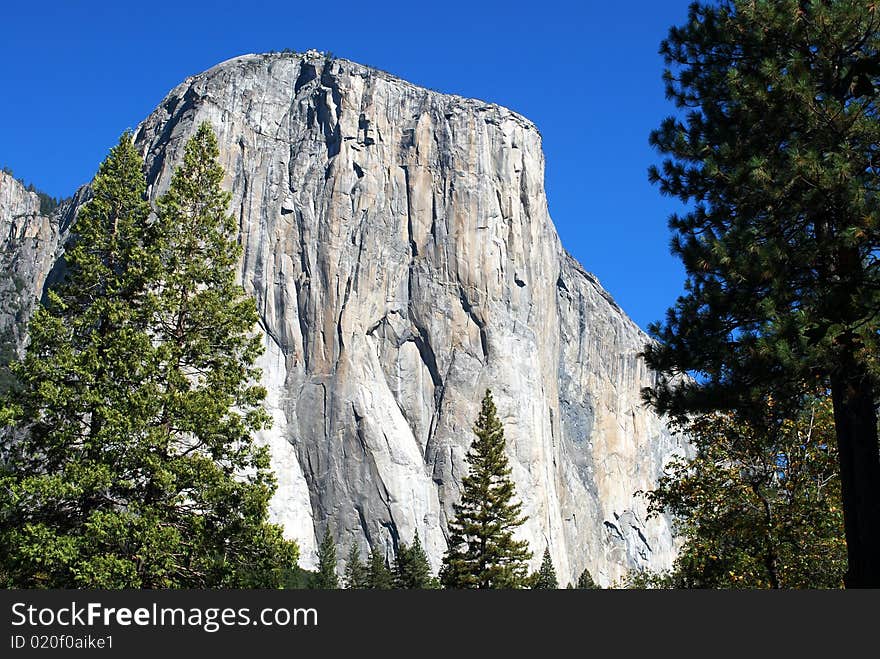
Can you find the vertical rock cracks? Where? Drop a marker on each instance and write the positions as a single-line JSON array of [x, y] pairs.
[[398, 244]]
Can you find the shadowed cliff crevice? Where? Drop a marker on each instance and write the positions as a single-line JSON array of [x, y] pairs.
[[307, 73], [478, 321]]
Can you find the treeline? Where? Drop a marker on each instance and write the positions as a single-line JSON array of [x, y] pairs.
[[48, 203], [410, 570], [481, 553]]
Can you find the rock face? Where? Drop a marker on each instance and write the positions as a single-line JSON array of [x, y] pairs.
[[30, 243], [398, 244]]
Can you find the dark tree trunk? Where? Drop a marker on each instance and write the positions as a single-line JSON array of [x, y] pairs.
[[855, 421]]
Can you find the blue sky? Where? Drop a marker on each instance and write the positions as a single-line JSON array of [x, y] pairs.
[[75, 74]]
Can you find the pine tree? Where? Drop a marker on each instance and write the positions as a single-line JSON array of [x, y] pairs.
[[326, 578], [411, 567], [585, 581], [355, 576], [379, 577], [777, 157], [131, 463], [545, 577], [482, 552], [59, 467]]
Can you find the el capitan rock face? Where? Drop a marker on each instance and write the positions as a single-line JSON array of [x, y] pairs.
[[398, 244]]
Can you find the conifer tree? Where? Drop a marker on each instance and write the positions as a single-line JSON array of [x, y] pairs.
[[776, 155], [411, 567], [585, 581], [326, 578], [482, 552], [545, 577], [68, 417], [131, 463], [355, 576], [379, 577]]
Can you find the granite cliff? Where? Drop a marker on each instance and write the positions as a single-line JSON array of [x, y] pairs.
[[30, 242], [398, 244]]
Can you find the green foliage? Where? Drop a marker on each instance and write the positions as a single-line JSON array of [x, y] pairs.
[[585, 581], [411, 567], [48, 204], [379, 577], [355, 576], [7, 356], [545, 577], [755, 509], [326, 578], [776, 156], [648, 580], [297, 578], [131, 462], [482, 552]]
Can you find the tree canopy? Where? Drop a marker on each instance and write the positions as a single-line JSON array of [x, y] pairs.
[[355, 576], [326, 578], [130, 460], [756, 509], [545, 577], [776, 154], [411, 567], [379, 577], [585, 581]]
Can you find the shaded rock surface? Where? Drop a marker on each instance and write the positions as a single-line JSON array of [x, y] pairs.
[[398, 244]]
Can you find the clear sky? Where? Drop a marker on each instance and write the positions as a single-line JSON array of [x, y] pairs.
[[76, 73]]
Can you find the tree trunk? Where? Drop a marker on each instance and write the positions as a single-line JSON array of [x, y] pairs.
[[855, 421]]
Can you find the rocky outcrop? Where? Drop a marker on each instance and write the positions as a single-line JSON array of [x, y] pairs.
[[30, 243], [398, 244]]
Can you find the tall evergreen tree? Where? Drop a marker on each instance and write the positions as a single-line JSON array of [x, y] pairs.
[[778, 157], [131, 462], [482, 552], [545, 577], [326, 578], [59, 467], [411, 567], [355, 576], [379, 577], [210, 402]]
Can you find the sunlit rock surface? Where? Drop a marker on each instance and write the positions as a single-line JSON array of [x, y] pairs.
[[398, 244]]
